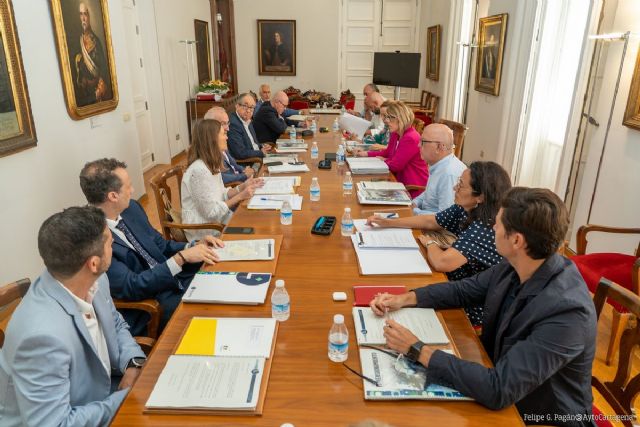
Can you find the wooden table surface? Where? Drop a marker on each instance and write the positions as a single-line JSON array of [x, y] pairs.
[[305, 388]]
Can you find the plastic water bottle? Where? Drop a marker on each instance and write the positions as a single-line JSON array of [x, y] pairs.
[[338, 340], [347, 223], [340, 155], [286, 214], [315, 190], [314, 126], [347, 184], [343, 110], [292, 133], [314, 150], [336, 125], [280, 303]]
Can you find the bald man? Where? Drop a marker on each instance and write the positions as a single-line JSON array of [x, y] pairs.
[[436, 148], [269, 123], [367, 90], [233, 171], [373, 102], [264, 96]]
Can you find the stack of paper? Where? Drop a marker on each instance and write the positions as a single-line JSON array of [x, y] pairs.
[[228, 288], [274, 201], [367, 166], [367, 196], [390, 238], [381, 185], [247, 250], [288, 168], [280, 159], [422, 322], [390, 261]]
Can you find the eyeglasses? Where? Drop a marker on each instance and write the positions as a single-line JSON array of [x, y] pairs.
[[388, 117], [248, 107], [282, 103], [224, 124], [425, 141]]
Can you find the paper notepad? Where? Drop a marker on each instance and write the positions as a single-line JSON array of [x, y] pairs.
[[389, 238], [247, 250], [422, 322], [274, 201], [381, 185], [242, 337], [288, 168], [390, 261], [228, 288], [275, 187]]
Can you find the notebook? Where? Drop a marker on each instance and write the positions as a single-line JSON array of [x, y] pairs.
[[228, 288], [423, 322], [363, 294]]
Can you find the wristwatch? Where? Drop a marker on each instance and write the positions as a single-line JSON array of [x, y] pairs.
[[414, 351], [136, 362]]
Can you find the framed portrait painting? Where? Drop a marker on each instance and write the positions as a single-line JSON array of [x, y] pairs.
[[203, 57], [16, 122], [83, 38], [632, 112], [433, 52], [491, 39], [276, 47]]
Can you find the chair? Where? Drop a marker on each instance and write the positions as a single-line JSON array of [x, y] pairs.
[[299, 104], [10, 297], [347, 100], [620, 268], [621, 392], [424, 100], [418, 125], [459, 132], [170, 217]]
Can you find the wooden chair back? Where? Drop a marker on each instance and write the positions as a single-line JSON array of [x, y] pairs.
[[10, 297], [459, 132], [621, 392], [418, 125], [425, 96]]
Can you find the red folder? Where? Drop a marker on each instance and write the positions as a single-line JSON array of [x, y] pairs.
[[363, 294]]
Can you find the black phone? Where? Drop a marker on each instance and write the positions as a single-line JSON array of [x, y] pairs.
[[273, 163], [238, 230], [324, 164]]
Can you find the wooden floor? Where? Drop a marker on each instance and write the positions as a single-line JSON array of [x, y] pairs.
[[600, 369]]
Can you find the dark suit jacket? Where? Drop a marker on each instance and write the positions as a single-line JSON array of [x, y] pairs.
[[542, 346], [268, 124], [229, 175], [130, 277], [238, 140]]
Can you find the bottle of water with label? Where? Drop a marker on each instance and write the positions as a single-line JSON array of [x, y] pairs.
[[286, 213], [314, 126], [343, 109], [338, 340], [347, 184], [314, 190], [340, 155], [314, 150], [347, 223], [336, 125], [292, 133], [280, 303]]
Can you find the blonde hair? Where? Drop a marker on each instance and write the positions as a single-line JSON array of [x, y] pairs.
[[204, 145], [403, 113]]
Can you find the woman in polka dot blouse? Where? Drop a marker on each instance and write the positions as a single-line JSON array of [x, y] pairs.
[[471, 219]]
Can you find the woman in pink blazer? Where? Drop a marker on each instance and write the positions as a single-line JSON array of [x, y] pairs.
[[402, 154]]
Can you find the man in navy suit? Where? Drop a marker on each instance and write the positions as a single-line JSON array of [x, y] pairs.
[[144, 264], [264, 97], [242, 138], [270, 123]]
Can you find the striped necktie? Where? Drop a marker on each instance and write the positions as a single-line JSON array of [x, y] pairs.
[[136, 245]]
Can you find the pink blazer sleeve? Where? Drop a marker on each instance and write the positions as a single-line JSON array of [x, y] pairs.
[[408, 148]]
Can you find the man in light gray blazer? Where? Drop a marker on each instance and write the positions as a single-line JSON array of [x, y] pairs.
[[68, 357]]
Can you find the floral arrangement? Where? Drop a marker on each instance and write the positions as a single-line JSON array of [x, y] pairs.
[[217, 87]]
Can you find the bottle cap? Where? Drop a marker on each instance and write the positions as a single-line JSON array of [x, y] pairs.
[[287, 425], [348, 174], [279, 283], [347, 209], [315, 178], [338, 318]]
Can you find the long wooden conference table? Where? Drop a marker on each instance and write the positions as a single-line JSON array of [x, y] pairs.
[[305, 388]]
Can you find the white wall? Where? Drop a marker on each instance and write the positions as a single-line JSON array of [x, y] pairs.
[[317, 39], [616, 200], [43, 180], [174, 22]]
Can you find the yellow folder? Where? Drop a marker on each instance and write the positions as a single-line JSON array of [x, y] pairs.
[[200, 337]]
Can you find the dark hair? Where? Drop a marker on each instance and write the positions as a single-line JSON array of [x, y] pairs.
[[68, 238], [539, 215], [492, 181], [97, 179], [204, 145]]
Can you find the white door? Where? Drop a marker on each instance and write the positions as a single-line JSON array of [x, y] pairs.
[[138, 83], [370, 26]]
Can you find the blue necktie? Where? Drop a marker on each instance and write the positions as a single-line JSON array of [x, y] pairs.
[[136, 245]]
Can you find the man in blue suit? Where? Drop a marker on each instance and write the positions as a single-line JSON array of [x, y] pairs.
[[145, 265], [270, 123], [242, 139], [264, 97], [68, 357]]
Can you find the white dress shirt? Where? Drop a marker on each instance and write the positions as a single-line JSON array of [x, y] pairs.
[[246, 128], [93, 326]]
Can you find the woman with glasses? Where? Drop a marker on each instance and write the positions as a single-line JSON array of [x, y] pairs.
[[471, 219], [204, 197], [402, 154]]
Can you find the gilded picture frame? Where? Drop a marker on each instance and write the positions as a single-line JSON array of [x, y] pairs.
[[492, 34], [433, 52], [203, 50], [17, 131], [85, 56], [276, 47], [632, 112]]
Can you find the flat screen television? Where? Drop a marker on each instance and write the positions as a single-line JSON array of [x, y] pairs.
[[396, 69]]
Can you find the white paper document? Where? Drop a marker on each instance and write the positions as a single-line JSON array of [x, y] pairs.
[[274, 201], [390, 261], [244, 336], [228, 288], [324, 111], [275, 187], [288, 168], [361, 224], [297, 117], [353, 124], [197, 382], [287, 143], [381, 185], [281, 159], [247, 250], [398, 238], [367, 166], [422, 322]]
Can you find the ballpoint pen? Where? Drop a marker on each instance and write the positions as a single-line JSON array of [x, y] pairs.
[[364, 377], [272, 200], [392, 215]]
